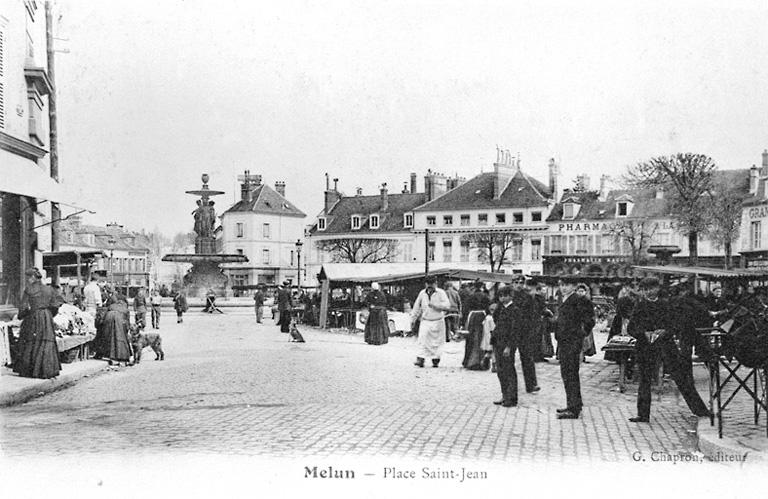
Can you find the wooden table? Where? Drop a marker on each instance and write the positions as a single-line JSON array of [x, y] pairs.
[[74, 347]]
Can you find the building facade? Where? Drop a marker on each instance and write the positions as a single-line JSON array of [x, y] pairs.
[[122, 257], [505, 208], [28, 184], [754, 221], [265, 227], [364, 229], [605, 232]]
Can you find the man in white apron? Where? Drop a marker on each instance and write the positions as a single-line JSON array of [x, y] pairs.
[[430, 308]]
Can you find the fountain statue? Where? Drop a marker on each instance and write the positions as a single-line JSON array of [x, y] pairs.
[[205, 274]]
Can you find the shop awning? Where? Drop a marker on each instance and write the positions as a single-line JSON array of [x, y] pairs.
[[58, 258], [24, 177], [702, 271], [395, 272]]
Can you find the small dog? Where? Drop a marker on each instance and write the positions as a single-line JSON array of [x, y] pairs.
[[294, 333], [142, 340]]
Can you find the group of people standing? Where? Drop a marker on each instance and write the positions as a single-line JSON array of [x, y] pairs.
[[517, 321]]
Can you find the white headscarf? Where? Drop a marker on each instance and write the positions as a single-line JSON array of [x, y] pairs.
[[375, 285]]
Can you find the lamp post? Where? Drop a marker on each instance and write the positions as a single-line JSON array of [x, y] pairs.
[[299, 244], [112, 229]]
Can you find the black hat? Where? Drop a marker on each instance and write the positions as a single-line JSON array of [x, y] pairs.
[[33, 272], [430, 279]]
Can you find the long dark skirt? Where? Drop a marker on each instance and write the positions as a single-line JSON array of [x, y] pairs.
[[38, 355], [113, 342], [473, 354], [377, 327]]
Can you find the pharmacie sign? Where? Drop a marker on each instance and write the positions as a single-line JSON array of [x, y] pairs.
[[613, 226]]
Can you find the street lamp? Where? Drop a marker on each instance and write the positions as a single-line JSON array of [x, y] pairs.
[[299, 244], [112, 229]]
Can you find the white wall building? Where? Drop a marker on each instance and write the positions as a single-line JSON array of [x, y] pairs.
[[265, 227]]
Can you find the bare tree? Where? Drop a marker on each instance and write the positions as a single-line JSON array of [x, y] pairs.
[[359, 250], [492, 246], [637, 234], [724, 213], [687, 178]]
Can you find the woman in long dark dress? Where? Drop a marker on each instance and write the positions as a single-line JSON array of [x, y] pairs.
[[377, 325], [38, 355], [115, 345]]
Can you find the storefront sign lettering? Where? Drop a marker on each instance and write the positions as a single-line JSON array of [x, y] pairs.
[[758, 212]]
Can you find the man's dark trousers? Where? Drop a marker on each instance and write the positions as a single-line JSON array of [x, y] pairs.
[[647, 356], [505, 370], [527, 350], [285, 321], [570, 361]]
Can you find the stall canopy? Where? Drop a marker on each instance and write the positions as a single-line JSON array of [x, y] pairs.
[[59, 258], [703, 271], [393, 272]]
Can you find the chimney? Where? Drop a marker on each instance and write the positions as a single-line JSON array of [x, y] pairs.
[[554, 173], [331, 196], [764, 173], [754, 178], [439, 185], [405, 188], [413, 182], [428, 186], [503, 170], [603, 194], [359, 191], [280, 188], [384, 197]]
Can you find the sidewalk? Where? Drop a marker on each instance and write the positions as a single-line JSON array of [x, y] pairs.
[[15, 390], [741, 436]]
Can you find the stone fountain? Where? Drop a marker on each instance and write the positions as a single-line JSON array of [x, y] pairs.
[[205, 273]]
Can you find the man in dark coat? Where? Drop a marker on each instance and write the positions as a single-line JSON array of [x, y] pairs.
[[575, 319], [505, 340], [284, 306], [529, 334], [651, 325], [258, 303]]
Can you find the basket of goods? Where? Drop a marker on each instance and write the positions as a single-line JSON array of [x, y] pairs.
[[70, 320], [620, 342]]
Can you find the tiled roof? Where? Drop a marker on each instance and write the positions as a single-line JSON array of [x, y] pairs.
[[522, 191], [339, 220], [124, 240], [266, 200], [644, 202]]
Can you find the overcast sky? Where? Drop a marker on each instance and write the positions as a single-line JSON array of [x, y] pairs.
[[154, 93]]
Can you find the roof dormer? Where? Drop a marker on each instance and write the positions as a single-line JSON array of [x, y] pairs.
[[355, 222], [571, 207], [322, 223], [374, 221], [624, 204]]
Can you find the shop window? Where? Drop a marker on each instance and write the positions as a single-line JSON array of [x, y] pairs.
[[447, 251], [536, 250], [755, 232], [464, 256]]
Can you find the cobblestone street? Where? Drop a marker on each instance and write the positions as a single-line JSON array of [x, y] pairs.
[[231, 386]]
